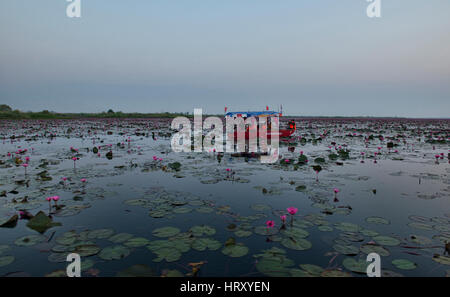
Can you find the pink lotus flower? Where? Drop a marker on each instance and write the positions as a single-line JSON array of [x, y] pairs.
[[270, 224], [55, 198], [49, 199], [283, 218], [83, 180], [292, 210], [336, 190]]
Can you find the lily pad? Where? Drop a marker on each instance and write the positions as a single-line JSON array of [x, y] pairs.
[[41, 222], [386, 240], [203, 230], [441, 259], [348, 227], [138, 270], [377, 220], [420, 226], [136, 242], [374, 248], [349, 250], [120, 237], [235, 250], [299, 244], [201, 244], [87, 250], [6, 260], [29, 240], [166, 232], [295, 233], [100, 233], [404, 264], [114, 252], [359, 266]]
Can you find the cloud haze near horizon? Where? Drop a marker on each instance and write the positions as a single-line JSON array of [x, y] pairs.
[[322, 57]]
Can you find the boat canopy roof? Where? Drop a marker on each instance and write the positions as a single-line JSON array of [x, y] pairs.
[[247, 114]]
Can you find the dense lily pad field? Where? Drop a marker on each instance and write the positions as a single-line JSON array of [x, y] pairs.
[[113, 191]]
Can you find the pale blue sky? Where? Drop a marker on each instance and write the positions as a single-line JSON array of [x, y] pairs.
[[316, 57]]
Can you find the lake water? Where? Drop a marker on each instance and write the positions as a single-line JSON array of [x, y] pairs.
[[135, 215]]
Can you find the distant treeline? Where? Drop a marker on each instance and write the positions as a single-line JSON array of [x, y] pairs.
[[7, 113]]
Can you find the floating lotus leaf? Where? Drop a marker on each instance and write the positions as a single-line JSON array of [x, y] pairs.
[[273, 262], [441, 221], [29, 240], [173, 273], [136, 242], [390, 273], [86, 264], [347, 227], [335, 273], [196, 202], [441, 259], [404, 264], [275, 267], [166, 232], [235, 250], [351, 236], [419, 219], [203, 230], [261, 207], [67, 238], [303, 224], [58, 257], [181, 210], [158, 213], [295, 233], [100, 233], [442, 228], [298, 244], [120, 237], [263, 230], [159, 244], [359, 266], [41, 222], [377, 220], [325, 228], [137, 202], [300, 273], [57, 273], [349, 250], [87, 250], [386, 240], [70, 210], [421, 240], [312, 269], [444, 238], [374, 248], [367, 232], [420, 226], [201, 244], [4, 248], [61, 248], [243, 233], [114, 252], [9, 221], [138, 270], [6, 260], [168, 254], [205, 209]]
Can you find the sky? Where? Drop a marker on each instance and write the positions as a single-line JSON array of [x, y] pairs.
[[315, 57]]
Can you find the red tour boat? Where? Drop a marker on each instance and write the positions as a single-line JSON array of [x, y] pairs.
[[282, 132]]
